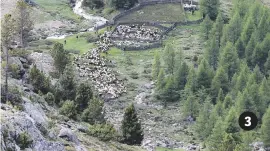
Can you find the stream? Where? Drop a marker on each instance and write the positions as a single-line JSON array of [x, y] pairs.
[[97, 20]]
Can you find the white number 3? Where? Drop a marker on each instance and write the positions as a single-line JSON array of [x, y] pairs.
[[248, 121]]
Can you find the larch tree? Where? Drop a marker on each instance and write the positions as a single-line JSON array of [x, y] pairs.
[[161, 80], [210, 8], [7, 35], [60, 57], [267, 65], [156, 66], [94, 114], [191, 106], [220, 81], [24, 21], [249, 49], [181, 76], [234, 28], [84, 94], [191, 80], [216, 138], [229, 60], [169, 58], [206, 27], [265, 129], [212, 53], [131, 127], [248, 29], [205, 75]]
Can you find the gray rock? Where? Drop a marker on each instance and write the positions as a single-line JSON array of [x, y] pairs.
[[23, 60], [68, 135]]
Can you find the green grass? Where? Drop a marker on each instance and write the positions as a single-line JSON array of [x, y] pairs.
[[167, 149], [158, 12], [74, 44], [196, 16], [59, 9]]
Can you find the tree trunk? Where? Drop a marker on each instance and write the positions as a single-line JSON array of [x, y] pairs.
[[6, 79]]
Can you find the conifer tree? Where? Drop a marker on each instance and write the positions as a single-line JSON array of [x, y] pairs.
[[229, 60], [191, 80], [210, 8], [181, 76], [229, 143], [248, 29], [240, 48], [249, 49], [267, 65], [227, 104], [60, 57], [65, 88], [39, 81], [206, 27], [264, 25], [84, 94], [191, 106], [234, 28], [256, 12], [202, 127], [205, 75], [161, 80], [242, 78], [212, 53], [220, 81], [156, 66], [24, 22], [94, 114], [131, 127], [169, 58], [265, 130], [221, 96], [231, 122], [260, 53], [216, 138], [219, 24]]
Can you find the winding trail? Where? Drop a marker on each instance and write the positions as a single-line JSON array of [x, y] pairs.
[[81, 12], [97, 20]]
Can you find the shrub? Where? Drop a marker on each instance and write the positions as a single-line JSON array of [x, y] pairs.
[[68, 109], [15, 71], [24, 140], [14, 96], [49, 98], [39, 81], [104, 132], [91, 38], [93, 114], [134, 75], [108, 11]]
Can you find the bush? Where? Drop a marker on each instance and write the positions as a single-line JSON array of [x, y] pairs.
[[91, 38], [39, 81], [93, 114], [49, 98], [15, 71], [104, 132], [14, 96], [134, 75], [93, 3], [68, 109], [24, 140]]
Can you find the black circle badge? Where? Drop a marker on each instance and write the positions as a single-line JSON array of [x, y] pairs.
[[248, 121]]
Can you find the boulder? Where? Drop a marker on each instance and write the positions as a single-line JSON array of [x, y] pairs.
[[68, 135]]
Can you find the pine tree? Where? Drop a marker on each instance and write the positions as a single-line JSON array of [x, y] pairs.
[[239, 45], [267, 65], [210, 8], [263, 26], [191, 106], [7, 35], [229, 60], [161, 80], [191, 80], [220, 81], [256, 12], [156, 66], [231, 122], [228, 143], [24, 22], [265, 129], [39, 81], [68, 109], [60, 57], [205, 75], [65, 88], [169, 58], [206, 27], [202, 121], [94, 114], [264, 100], [216, 138], [221, 96], [169, 93], [212, 53], [248, 29], [131, 127], [257, 74], [84, 94], [181, 76], [227, 103], [234, 28], [242, 78], [260, 53], [249, 49], [219, 24]]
